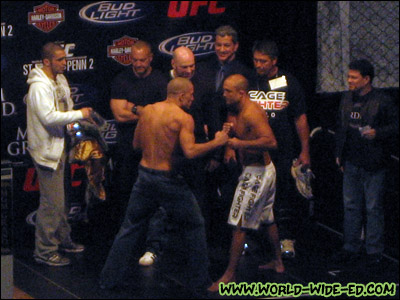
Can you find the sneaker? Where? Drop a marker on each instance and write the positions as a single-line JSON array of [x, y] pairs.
[[287, 248], [147, 259], [303, 177], [53, 259], [72, 248]]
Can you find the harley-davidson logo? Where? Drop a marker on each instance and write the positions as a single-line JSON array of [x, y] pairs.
[[121, 50], [46, 17]]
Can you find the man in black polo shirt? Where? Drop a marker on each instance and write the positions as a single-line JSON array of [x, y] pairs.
[[130, 91]]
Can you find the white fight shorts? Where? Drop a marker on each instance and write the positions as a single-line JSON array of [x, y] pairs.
[[254, 197]]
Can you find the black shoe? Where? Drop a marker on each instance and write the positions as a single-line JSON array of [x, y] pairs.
[[344, 256]]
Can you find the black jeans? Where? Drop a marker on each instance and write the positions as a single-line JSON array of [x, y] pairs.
[[154, 189]]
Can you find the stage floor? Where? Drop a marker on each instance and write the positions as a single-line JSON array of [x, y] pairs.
[[161, 281]]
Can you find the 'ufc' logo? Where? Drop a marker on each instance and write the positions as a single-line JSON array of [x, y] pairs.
[[31, 183], [180, 9]]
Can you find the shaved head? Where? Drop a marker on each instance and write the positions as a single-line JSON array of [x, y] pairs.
[[142, 45], [239, 82], [141, 59], [182, 53], [180, 91], [235, 91], [178, 85], [183, 62]]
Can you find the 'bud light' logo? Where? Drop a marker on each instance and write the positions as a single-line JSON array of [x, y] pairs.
[[114, 12], [109, 132], [201, 43]]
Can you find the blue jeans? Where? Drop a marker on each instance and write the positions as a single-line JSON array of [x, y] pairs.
[[153, 189], [363, 189]]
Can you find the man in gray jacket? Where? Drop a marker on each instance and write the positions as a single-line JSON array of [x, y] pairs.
[[49, 109]]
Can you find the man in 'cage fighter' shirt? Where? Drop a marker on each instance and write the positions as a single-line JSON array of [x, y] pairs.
[[283, 99]]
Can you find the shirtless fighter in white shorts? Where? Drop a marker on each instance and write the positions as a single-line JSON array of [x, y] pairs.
[[255, 193]]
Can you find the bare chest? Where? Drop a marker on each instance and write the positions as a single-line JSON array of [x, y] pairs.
[[242, 128]]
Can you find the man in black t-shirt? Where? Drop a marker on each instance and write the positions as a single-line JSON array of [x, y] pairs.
[[283, 99], [130, 91], [135, 88]]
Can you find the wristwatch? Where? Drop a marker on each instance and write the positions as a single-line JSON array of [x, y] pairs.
[[134, 109]]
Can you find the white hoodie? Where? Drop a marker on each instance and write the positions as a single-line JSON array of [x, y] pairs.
[[46, 119]]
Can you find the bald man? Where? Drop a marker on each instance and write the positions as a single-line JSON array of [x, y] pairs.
[[183, 64], [164, 129], [255, 193]]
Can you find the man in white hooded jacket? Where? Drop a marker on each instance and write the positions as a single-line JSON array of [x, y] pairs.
[[49, 109]]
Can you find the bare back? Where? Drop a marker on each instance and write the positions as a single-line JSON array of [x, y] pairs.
[[157, 134]]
